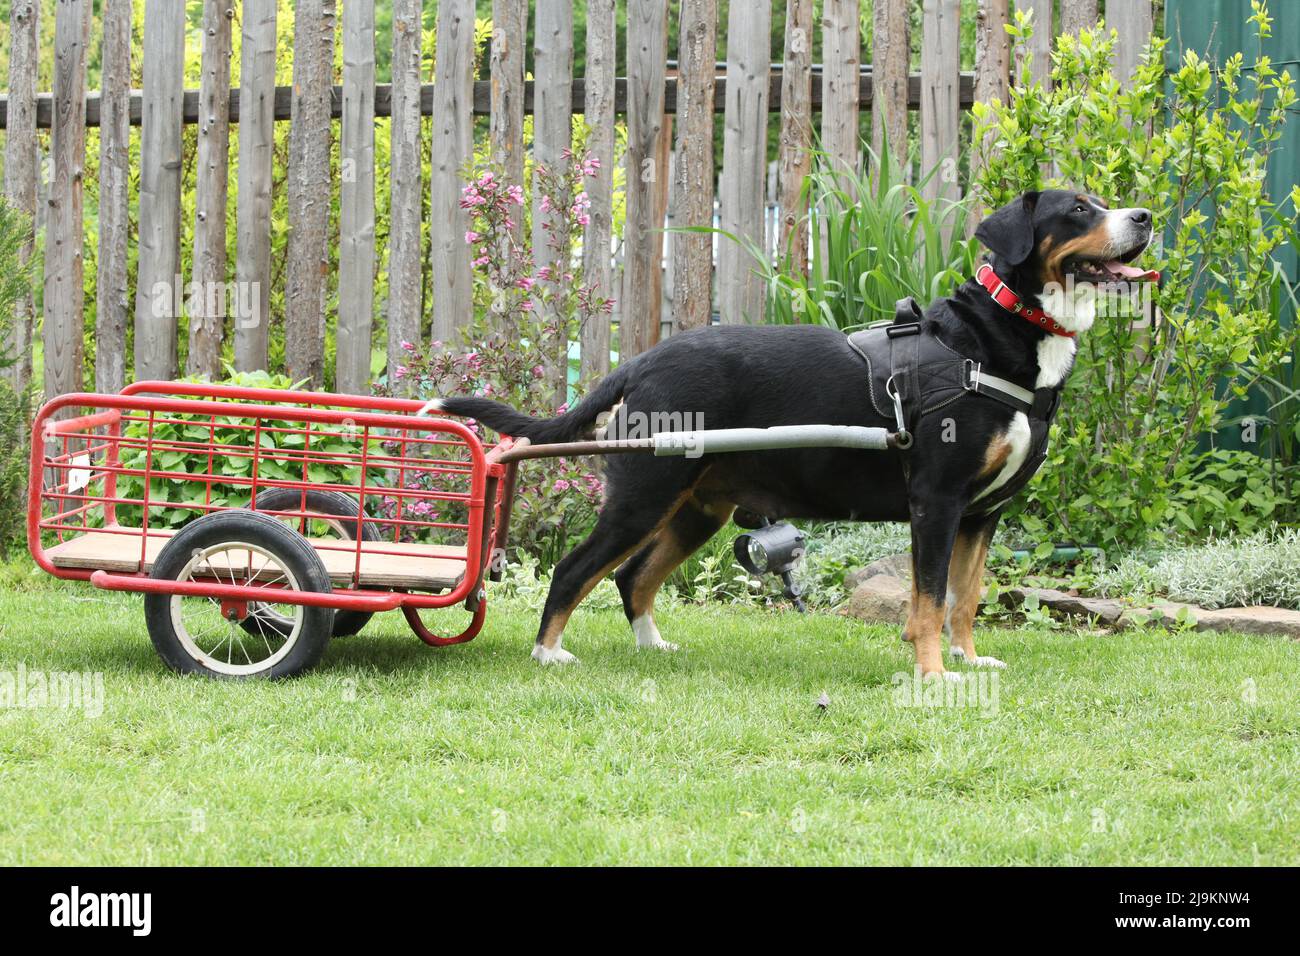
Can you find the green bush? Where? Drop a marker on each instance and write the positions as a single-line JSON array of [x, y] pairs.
[[181, 500], [1261, 568], [1193, 144]]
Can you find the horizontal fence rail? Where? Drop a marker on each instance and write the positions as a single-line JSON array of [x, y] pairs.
[[190, 113]]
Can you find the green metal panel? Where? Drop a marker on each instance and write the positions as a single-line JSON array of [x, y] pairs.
[[1220, 28]]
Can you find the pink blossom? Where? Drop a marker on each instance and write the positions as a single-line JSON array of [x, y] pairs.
[[408, 346], [515, 194], [562, 409], [480, 262], [547, 206], [399, 373], [544, 274], [584, 220], [538, 371], [525, 283], [560, 485], [472, 237]]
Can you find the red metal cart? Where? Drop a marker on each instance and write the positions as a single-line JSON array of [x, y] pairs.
[[258, 523]]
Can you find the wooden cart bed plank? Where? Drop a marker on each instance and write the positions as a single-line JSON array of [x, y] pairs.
[[419, 566]]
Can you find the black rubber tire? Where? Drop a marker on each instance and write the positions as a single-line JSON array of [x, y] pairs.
[[243, 526], [346, 622]]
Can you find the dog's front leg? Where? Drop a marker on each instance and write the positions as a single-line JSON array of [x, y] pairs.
[[934, 528], [965, 579]]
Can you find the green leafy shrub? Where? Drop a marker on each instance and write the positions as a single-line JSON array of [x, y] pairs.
[[883, 241], [1262, 568], [181, 500], [1193, 145]]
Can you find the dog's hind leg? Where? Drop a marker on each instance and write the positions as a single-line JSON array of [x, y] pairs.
[[641, 577], [626, 523], [965, 576]]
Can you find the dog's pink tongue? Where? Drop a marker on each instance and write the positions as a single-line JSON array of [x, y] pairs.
[[1117, 268]]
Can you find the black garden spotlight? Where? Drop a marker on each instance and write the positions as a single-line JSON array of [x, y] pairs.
[[774, 549]]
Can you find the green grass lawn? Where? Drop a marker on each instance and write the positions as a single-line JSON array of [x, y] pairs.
[[1136, 749]]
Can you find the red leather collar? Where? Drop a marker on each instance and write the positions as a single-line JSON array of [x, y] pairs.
[[1004, 297]]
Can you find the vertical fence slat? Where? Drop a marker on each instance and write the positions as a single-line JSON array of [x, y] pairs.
[[310, 139], [796, 129], [64, 295], [356, 201], [453, 142], [841, 55], [1134, 22], [693, 175], [509, 42], [647, 38], [602, 56], [1078, 14], [940, 106], [992, 72], [20, 165], [111, 304], [207, 316], [405, 188], [253, 202], [744, 159], [552, 130], [661, 310], [1040, 44], [160, 191], [890, 64]]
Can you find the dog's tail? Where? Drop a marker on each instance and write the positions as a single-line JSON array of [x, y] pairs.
[[572, 425]]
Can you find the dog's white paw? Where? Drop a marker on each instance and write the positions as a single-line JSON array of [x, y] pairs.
[[647, 635], [956, 653], [952, 676], [547, 655], [658, 645]]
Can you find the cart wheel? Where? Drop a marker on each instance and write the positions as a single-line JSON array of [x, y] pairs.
[[326, 503], [194, 635]]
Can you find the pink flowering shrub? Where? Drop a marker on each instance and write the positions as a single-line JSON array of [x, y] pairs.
[[524, 319]]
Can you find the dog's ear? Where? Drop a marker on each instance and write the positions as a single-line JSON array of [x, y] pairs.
[[1009, 232]]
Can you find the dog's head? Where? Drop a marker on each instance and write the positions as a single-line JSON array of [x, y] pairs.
[[1053, 245]]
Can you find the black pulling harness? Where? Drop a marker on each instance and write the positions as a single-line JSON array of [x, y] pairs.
[[912, 373]]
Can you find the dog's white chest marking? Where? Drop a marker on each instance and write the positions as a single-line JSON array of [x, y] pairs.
[[1055, 356], [1018, 437]]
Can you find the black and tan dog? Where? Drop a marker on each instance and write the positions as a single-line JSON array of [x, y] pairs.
[[1050, 251]]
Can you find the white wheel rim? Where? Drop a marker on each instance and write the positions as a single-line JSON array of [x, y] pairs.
[[222, 645]]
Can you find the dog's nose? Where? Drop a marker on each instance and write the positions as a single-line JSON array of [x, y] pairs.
[[1141, 216]]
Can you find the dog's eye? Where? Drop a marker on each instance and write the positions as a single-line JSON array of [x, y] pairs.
[[1081, 208]]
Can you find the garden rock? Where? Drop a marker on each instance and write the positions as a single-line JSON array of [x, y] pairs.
[[1260, 619], [1073, 605], [880, 597], [894, 566]]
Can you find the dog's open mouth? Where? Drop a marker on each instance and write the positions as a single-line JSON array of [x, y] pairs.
[[1119, 269]]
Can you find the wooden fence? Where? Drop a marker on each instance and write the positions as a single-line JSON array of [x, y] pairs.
[[669, 165]]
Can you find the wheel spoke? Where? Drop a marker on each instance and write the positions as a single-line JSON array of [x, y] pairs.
[[205, 629]]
